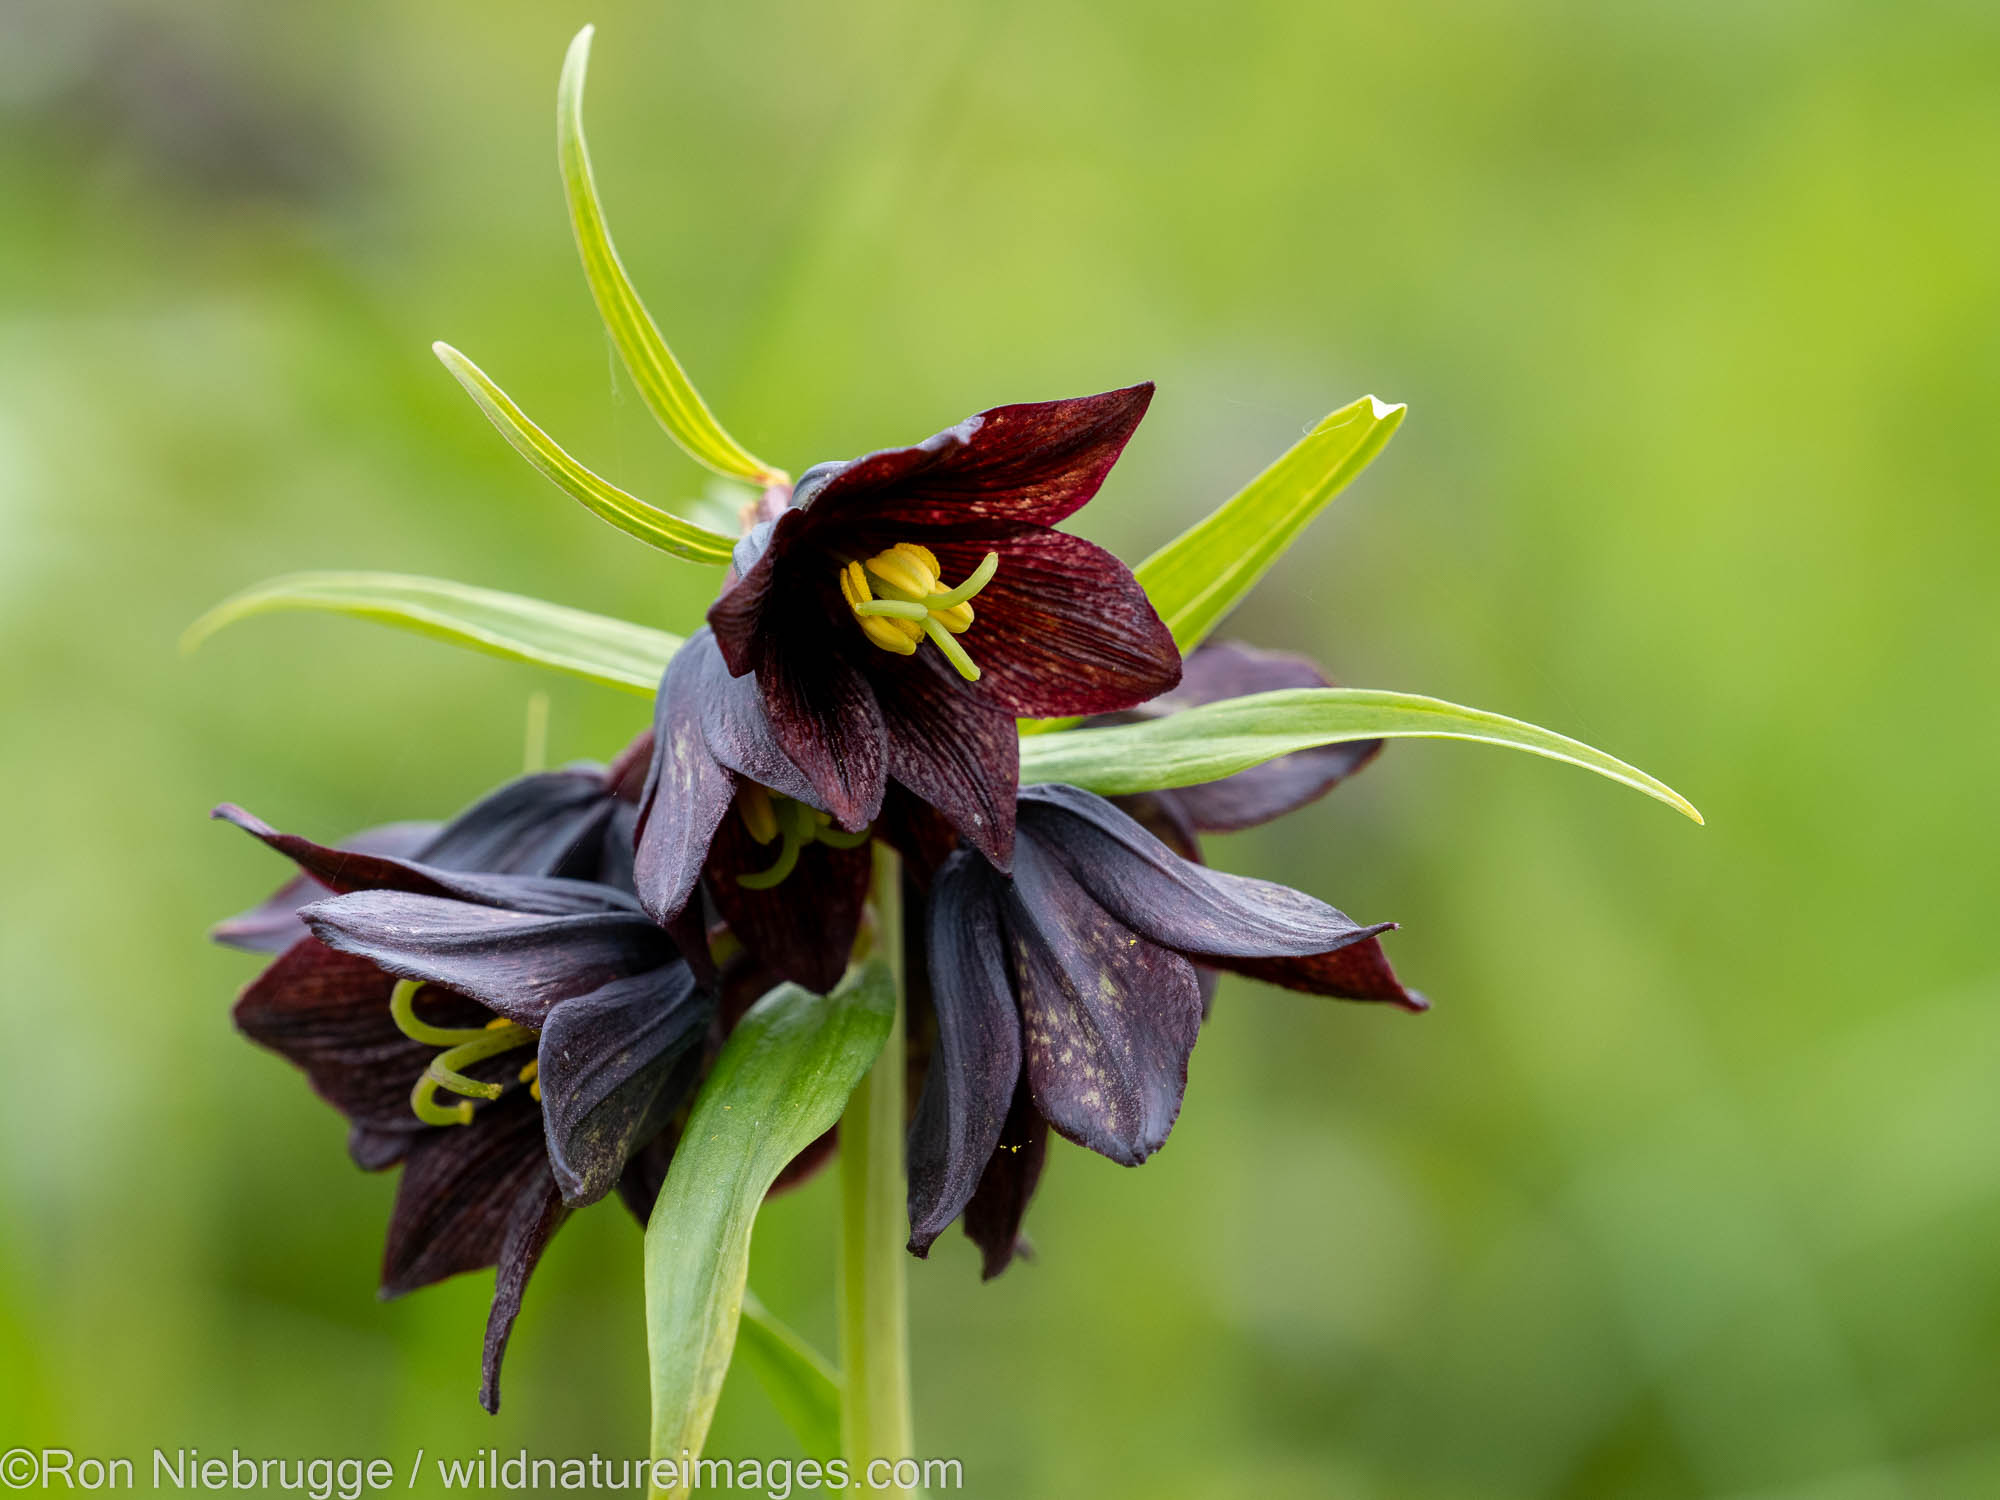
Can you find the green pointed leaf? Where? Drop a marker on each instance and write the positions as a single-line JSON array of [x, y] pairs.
[[800, 1381], [615, 652], [1200, 575], [1220, 739], [631, 515], [659, 376], [782, 1079]]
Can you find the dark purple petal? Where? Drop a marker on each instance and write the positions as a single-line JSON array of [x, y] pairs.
[[550, 823], [955, 752], [1063, 628], [1108, 1018], [976, 1062], [328, 1014], [529, 1230], [1187, 907], [608, 1059], [344, 872], [1227, 669], [1036, 462], [803, 928], [733, 723], [993, 1217], [273, 925], [517, 963], [827, 722], [687, 792]]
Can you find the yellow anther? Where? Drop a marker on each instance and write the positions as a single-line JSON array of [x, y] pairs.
[[923, 555], [854, 584], [498, 1023], [899, 636], [535, 1091], [531, 1071], [904, 572]]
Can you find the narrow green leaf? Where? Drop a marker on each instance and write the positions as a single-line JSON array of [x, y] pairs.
[[631, 515], [659, 376], [615, 652], [1220, 739], [797, 1377], [1199, 576], [782, 1079]]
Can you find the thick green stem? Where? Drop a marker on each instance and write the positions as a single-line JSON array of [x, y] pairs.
[[875, 1227]]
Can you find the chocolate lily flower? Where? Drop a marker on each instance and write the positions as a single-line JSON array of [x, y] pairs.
[[515, 1042], [1066, 997], [912, 603]]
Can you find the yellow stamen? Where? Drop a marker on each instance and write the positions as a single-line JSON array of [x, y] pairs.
[[899, 600], [753, 803]]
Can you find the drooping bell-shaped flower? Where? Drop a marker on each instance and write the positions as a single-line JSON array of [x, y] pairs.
[[1066, 996], [517, 1043], [910, 605]]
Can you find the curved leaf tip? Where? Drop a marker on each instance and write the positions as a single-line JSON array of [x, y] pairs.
[[1219, 739]]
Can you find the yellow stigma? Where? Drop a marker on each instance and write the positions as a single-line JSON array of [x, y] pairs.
[[899, 600]]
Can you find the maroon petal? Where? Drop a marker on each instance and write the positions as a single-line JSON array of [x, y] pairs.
[[327, 1013], [610, 1073], [462, 1189], [273, 924], [976, 1062], [737, 616], [803, 928], [473, 1196], [825, 719], [517, 963], [955, 752], [1036, 462], [1359, 971], [993, 1217], [1108, 1019], [1187, 907], [1063, 628]]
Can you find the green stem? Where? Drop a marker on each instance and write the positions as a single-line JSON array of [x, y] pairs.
[[875, 1227]]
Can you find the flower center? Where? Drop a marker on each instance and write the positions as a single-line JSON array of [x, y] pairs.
[[463, 1047], [898, 599], [771, 818]]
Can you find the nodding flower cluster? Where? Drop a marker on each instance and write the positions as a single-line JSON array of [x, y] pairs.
[[516, 1007]]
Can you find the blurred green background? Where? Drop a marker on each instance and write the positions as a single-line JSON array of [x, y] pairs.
[[1689, 1186]]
